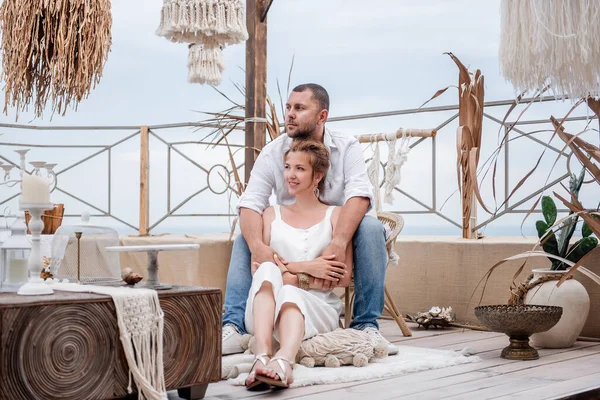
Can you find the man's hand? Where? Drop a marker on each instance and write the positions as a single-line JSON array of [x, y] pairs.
[[317, 284], [254, 267], [337, 249], [262, 253], [326, 268]]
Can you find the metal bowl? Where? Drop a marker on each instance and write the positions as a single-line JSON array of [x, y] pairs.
[[519, 322]]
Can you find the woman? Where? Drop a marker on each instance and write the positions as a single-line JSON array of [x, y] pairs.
[[277, 305]]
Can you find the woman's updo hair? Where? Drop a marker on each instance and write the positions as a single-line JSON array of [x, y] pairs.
[[317, 154]]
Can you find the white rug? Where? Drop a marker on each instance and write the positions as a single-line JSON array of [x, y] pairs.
[[409, 359]]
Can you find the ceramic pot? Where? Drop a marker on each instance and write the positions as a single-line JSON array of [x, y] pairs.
[[574, 300]]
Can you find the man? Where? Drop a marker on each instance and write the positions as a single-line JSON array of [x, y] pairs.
[[346, 184]]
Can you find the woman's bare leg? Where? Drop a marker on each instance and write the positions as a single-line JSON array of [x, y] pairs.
[[263, 314], [291, 334]]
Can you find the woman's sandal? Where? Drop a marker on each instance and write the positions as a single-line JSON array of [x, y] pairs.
[[282, 382], [257, 385]]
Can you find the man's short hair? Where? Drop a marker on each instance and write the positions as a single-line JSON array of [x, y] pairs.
[[318, 93]]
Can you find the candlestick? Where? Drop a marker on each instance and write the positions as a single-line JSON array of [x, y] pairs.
[[35, 285], [78, 236], [38, 191]]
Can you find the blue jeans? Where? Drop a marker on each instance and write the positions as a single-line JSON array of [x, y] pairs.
[[370, 261]]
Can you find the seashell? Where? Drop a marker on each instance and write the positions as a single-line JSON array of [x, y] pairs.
[[435, 311], [45, 273], [130, 277], [125, 272]]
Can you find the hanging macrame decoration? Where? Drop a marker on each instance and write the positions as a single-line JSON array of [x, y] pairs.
[[373, 174], [396, 158], [205, 64], [209, 25], [551, 42], [52, 51]]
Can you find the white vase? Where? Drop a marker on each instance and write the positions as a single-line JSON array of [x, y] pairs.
[[574, 300]]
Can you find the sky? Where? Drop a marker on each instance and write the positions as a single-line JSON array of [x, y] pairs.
[[371, 56]]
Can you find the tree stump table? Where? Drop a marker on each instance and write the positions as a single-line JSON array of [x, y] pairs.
[[67, 346]]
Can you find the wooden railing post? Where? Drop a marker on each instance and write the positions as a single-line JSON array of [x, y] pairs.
[[256, 81], [144, 173]]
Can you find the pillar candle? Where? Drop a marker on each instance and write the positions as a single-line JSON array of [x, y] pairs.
[[16, 270], [35, 189]]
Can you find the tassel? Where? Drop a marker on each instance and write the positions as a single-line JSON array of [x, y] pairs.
[[205, 64], [203, 21], [551, 43], [373, 174], [394, 164]]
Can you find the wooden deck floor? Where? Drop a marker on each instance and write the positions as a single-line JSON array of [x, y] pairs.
[[557, 374]]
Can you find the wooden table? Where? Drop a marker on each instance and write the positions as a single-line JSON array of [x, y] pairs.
[[67, 346]]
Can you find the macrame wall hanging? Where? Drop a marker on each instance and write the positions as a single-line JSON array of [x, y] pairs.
[[209, 26], [551, 42], [397, 156], [52, 50]]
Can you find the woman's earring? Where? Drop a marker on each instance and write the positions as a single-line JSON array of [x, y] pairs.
[[316, 192]]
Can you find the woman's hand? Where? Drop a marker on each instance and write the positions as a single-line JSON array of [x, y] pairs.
[[280, 263], [326, 268]]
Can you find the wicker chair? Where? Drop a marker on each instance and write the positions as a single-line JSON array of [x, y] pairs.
[[394, 224]]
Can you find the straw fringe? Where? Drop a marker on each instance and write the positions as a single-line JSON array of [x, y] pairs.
[[53, 50], [551, 42]]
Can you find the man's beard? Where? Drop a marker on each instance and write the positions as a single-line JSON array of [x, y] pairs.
[[303, 133]]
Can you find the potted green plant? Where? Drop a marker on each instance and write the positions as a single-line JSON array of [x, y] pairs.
[[555, 239], [571, 295]]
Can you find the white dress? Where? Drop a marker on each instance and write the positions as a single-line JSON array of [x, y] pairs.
[[321, 310]]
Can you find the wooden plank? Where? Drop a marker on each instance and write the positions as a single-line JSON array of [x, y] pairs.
[[433, 381], [457, 338], [216, 391], [256, 82], [517, 381], [391, 332], [144, 172], [560, 389], [234, 392], [487, 344], [389, 387]]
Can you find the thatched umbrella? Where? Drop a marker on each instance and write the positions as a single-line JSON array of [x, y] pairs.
[[53, 50], [552, 42]]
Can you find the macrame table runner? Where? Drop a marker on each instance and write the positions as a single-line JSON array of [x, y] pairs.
[[141, 324]]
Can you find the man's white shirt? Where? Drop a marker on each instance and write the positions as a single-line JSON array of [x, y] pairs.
[[346, 177]]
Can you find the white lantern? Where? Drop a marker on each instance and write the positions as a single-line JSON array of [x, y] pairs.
[[14, 256], [4, 229]]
